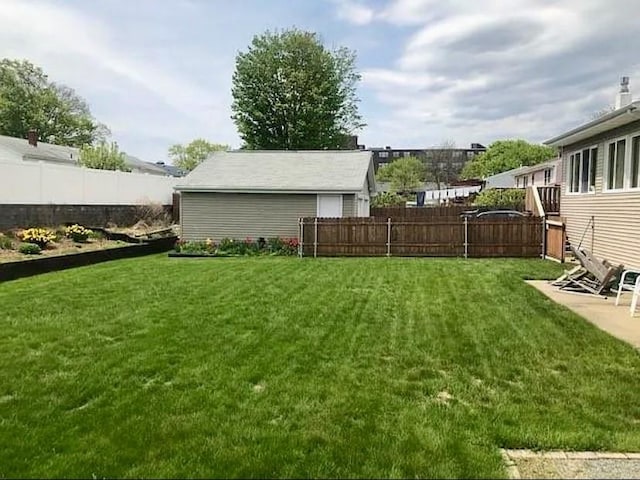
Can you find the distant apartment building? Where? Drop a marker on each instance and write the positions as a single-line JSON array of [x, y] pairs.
[[447, 161], [458, 156]]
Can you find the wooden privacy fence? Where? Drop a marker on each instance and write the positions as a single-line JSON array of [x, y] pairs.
[[442, 237], [419, 213], [556, 240]]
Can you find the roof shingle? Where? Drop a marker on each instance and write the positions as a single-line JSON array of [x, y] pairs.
[[313, 171]]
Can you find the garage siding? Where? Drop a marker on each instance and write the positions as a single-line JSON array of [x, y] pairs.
[[242, 215], [349, 205]]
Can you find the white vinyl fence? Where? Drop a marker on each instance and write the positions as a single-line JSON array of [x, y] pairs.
[[47, 183]]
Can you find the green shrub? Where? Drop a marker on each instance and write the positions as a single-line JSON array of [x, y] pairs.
[[275, 245], [94, 235], [507, 198], [192, 247], [248, 246], [227, 245], [77, 233], [30, 249], [5, 243], [282, 246], [40, 236], [388, 199]]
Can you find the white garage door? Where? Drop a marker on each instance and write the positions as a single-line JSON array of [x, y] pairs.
[[330, 206]]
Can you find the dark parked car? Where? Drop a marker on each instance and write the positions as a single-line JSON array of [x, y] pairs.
[[501, 214]]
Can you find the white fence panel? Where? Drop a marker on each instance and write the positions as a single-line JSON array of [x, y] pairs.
[[59, 182], [47, 183]]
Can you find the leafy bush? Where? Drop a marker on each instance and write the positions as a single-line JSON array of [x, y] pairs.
[[388, 199], [30, 249], [94, 235], [275, 244], [290, 246], [40, 236], [239, 247], [5, 243], [511, 198], [77, 233], [282, 246], [208, 246], [248, 246]]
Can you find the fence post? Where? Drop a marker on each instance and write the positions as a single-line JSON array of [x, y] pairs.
[[544, 238], [466, 237], [388, 237], [300, 237], [315, 238]]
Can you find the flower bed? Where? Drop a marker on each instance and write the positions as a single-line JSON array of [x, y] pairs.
[[229, 247], [21, 256], [34, 243]]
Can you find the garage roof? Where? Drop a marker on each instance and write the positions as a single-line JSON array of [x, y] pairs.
[[337, 171]]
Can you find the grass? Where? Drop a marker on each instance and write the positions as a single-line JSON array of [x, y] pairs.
[[280, 367]]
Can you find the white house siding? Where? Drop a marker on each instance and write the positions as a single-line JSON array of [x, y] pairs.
[[537, 178], [241, 215], [615, 232]]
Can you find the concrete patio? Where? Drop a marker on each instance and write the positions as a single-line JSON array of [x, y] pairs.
[[601, 311]]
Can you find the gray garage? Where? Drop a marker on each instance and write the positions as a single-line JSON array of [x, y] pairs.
[[263, 193]]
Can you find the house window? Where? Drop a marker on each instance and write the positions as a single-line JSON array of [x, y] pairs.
[[533, 179], [383, 155], [547, 176], [396, 154], [581, 175], [635, 162], [615, 164], [525, 181], [407, 154]]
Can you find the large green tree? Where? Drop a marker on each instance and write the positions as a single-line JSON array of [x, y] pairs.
[[505, 155], [290, 92], [29, 100], [189, 156], [405, 174]]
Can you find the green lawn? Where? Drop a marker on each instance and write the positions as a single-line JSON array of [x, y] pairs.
[[263, 367]]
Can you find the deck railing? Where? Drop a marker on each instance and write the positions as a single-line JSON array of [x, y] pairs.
[[550, 198]]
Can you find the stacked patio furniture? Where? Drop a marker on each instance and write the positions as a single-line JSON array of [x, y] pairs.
[[592, 276]]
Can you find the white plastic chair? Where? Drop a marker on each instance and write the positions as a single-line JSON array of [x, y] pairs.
[[636, 294], [630, 287]]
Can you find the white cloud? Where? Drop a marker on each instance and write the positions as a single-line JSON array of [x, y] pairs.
[[354, 12], [81, 52], [526, 68]]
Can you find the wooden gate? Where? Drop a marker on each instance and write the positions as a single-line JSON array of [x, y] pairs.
[[556, 239]]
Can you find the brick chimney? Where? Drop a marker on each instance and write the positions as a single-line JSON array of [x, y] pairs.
[[32, 137], [624, 96]]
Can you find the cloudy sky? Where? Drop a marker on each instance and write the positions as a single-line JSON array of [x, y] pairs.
[[159, 72]]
